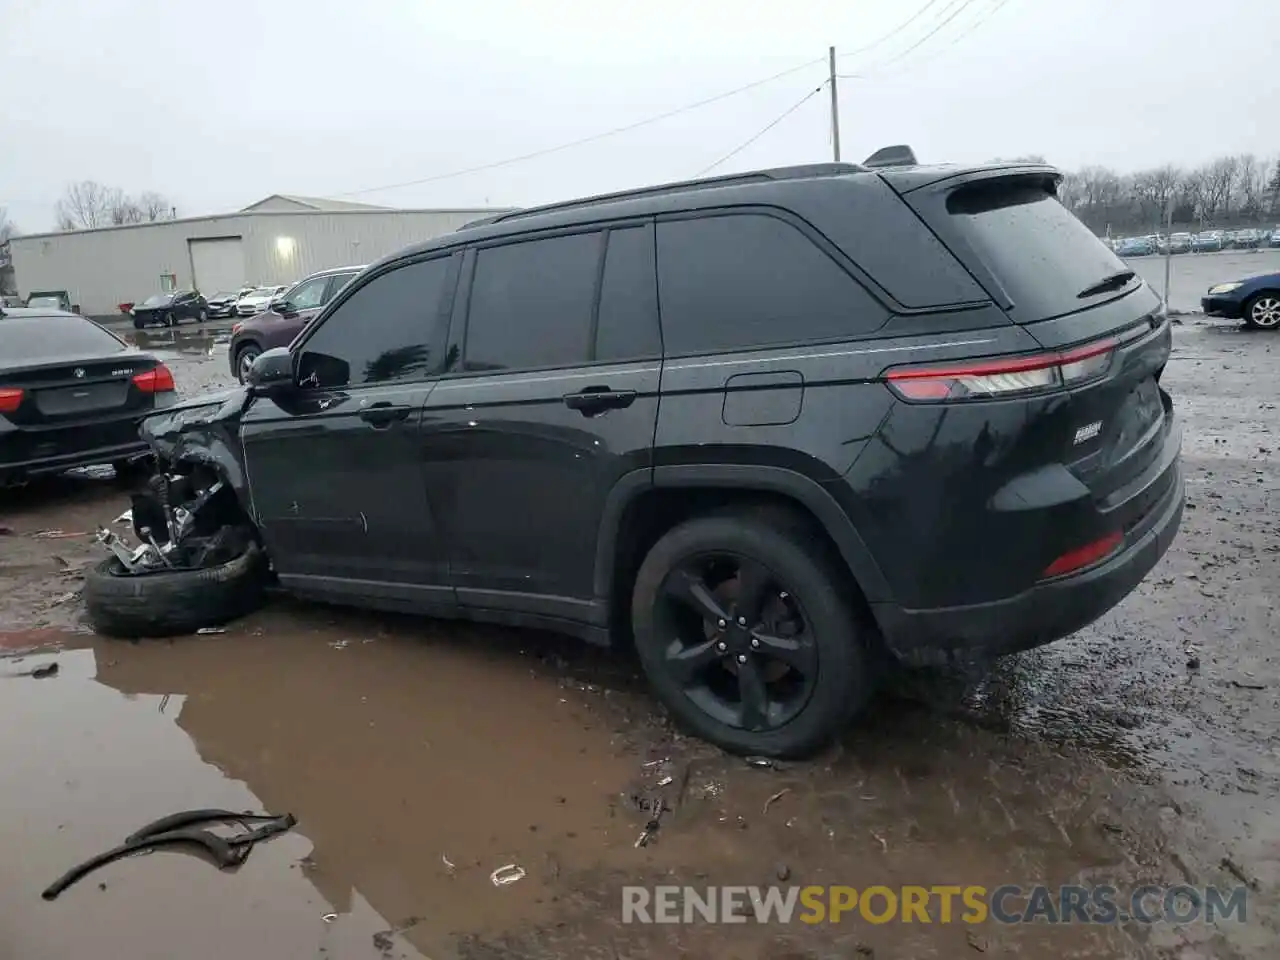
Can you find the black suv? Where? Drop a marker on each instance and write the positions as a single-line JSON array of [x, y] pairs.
[[767, 427]]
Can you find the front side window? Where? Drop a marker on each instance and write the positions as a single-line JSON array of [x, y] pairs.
[[381, 333], [531, 304], [336, 283]]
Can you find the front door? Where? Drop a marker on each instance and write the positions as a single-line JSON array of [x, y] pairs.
[[552, 398], [336, 466]]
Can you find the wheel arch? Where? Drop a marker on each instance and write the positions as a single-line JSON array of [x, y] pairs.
[[646, 503]]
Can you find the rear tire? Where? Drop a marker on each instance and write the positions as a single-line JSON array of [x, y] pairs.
[[837, 670], [138, 324], [172, 602], [1262, 311]]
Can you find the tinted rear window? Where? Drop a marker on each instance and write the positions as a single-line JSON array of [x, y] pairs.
[[1036, 248], [32, 339]]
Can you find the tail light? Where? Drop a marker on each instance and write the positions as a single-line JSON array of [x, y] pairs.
[[1081, 557], [235, 327], [980, 379], [158, 379], [10, 399]]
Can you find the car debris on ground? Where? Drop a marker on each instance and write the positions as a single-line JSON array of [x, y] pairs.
[[178, 830]]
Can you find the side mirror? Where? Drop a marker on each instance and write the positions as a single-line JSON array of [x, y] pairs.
[[272, 373], [283, 307]]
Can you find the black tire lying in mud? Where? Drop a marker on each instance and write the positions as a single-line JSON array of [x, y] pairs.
[[172, 602]]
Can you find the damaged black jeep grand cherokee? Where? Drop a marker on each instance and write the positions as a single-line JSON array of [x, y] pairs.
[[767, 427]]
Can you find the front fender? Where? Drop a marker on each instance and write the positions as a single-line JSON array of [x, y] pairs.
[[205, 431]]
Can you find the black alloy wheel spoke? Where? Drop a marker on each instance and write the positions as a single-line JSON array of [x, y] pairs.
[[754, 695], [796, 652], [691, 590], [754, 580], [689, 663]]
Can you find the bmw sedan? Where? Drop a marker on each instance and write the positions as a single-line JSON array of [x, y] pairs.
[[1255, 300], [71, 394]]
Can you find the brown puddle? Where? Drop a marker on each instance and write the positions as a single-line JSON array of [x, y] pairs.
[[420, 757]]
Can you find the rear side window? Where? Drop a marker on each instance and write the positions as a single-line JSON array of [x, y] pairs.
[[382, 332], [34, 339], [627, 328], [733, 282], [532, 304], [336, 283], [1033, 246]]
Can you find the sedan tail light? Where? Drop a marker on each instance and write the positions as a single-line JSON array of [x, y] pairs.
[[1086, 556], [159, 379], [10, 399], [1000, 376]]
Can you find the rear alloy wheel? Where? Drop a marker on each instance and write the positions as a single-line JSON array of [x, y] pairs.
[[204, 315], [744, 630], [1263, 311], [244, 360]]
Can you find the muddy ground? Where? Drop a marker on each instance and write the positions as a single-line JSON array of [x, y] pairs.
[[420, 756]]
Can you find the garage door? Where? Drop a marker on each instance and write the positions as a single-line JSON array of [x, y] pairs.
[[218, 264]]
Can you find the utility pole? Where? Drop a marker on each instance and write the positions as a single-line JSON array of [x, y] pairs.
[[1168, 252], [835, 105]]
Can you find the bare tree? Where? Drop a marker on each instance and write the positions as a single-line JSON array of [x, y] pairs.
[[8, 230], [1219, 179], [155, 206], [1252, 186], [1156, 191], [90, 204], [84, 205]]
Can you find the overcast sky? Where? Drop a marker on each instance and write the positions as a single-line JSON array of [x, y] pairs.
[[218, 105]]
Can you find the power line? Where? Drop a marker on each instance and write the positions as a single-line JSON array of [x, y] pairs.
[[590, 139], [752, 139], [982, 19], [963, 5], [894, 32]]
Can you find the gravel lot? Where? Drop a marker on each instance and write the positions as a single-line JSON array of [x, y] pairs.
[[420, 756]]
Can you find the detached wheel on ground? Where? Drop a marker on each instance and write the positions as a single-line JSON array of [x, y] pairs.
[[1262, 311], [172, 602], [745, 630]]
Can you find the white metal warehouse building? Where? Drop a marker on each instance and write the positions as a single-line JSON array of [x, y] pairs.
[[277, 240]]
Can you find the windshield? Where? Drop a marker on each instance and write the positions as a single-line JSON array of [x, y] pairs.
[[37, 339], [44, 302], [1034, 247], [222, 295], [156, 299], [263, 292]]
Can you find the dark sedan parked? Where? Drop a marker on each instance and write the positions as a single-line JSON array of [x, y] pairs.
[[1255, 300], [170, 309], [71, 394], [277, 327]]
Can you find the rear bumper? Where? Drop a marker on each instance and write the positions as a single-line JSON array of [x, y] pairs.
[[1046, 612], [1222, 307], [68, 461]]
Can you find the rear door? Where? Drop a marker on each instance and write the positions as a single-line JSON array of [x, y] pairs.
[[1063, 286], [67, 385], [554, 398]]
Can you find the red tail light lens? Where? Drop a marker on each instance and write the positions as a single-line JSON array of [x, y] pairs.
[[159, 379], [10, 399], [235, 327], [1082, 557], [981, 379]]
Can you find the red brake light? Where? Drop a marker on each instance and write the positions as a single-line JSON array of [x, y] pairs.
[[977, 379], [235, 327], [10, 399], [1082, 557], [156, 380]]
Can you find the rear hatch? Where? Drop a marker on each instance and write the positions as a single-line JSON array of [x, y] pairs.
[[1062, 284], [68, 385]]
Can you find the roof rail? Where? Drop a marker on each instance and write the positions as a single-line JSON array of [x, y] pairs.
[[898, 155], [728, 180], [483, 221]]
